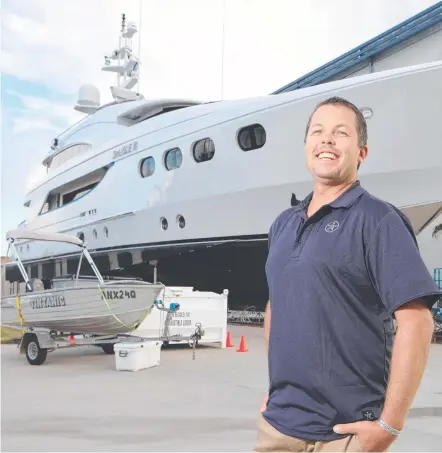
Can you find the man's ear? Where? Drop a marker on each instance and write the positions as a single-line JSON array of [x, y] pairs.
[[362, 155]]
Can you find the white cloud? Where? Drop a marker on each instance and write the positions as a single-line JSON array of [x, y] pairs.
[[21, 158], [36, 174], [63, 44], [25, 124], [44, 113], [266, 44], [32, 32]]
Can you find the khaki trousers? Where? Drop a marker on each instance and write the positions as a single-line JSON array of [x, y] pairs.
[[270, 439]]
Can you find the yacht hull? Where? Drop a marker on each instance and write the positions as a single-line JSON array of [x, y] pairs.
[[220, 210]]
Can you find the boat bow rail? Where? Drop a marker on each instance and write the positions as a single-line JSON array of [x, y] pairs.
[[13, 235]]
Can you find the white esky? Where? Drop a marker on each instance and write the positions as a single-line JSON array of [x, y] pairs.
[[50, 47]]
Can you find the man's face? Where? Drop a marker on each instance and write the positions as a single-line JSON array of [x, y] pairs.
[[332, 144]]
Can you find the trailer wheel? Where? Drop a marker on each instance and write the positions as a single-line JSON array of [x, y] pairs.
[[108, 348], [34, 354]]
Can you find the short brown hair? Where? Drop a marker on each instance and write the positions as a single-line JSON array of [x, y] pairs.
[[361, 124]]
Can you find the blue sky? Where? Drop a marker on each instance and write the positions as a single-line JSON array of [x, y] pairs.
[[50, 47], [27, 129]]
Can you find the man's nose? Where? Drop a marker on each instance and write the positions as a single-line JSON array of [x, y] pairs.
[[327, 138]]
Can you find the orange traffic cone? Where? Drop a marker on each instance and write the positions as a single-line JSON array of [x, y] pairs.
[[229, 343], [242, 345]]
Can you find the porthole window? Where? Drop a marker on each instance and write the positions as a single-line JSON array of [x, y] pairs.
[[80, 236], [106, 232], [203, 150], [94, 234], [147, 167], [164, 224], [180, 221], [173, 159], [251, 137]]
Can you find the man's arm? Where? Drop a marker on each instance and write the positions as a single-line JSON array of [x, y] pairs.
[[410, 353], [409, 358], [407, 290]]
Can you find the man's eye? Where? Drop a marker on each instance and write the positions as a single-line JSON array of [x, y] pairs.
[[316, 131], [342, 132]]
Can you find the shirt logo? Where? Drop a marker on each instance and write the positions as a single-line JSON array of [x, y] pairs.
[[368, 415], [332, 226]]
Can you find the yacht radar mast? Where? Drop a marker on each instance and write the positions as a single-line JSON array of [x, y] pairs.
[[126, 67]]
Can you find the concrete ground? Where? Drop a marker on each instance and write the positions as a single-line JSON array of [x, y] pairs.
[[209, 404]]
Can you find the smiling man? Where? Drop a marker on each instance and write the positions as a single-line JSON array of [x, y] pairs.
[[342, 265]]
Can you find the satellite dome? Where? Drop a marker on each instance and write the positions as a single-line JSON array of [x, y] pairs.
[[88, 98], [88, 94]]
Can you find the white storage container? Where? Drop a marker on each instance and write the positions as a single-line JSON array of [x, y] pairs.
[[137, 356], [207, 308]]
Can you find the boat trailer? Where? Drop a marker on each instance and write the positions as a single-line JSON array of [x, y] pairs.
[[37, 342]]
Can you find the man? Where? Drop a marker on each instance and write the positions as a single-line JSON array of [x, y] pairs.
[[342, 265]]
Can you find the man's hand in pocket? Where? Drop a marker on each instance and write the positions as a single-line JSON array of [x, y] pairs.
[[264, 402]]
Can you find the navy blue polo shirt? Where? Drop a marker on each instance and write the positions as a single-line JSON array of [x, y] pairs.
[[335, 280]]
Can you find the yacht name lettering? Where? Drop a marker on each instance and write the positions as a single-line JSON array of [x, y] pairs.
[[125, 149], [47, 302], [113, 294]]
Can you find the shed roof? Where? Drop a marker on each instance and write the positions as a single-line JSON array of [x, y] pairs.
[[390, 38]]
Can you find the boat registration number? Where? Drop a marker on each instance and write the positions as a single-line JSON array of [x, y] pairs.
[[119, 294]]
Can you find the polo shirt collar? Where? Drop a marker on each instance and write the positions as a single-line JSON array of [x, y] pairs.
[[349, 197], [345, 200]]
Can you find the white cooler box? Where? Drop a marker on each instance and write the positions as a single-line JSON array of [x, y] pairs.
[[137, 356]]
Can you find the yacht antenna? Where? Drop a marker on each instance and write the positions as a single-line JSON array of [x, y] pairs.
[[222, 49], [120, 45], [139, 41], [127, 64], [126, 67]]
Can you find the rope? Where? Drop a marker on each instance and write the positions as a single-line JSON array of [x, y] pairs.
[[114, 315]]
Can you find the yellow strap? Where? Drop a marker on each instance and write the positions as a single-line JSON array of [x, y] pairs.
[[114, 315], [20, 315]]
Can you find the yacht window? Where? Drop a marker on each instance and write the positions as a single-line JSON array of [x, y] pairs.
[[173, 159], [251, 137], [52, 202], [68, 153], [73, 190], [75, 194], [203, 150], [147, 167]]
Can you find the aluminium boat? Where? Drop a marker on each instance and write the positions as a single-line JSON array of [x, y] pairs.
[[77, 304]]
